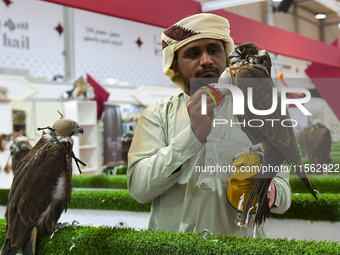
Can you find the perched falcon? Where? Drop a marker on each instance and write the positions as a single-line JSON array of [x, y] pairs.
[[81, 90], [279, 143], [4, 141], [318, 144], [19, 150], [41, 188], [126, 141], [302, 141]]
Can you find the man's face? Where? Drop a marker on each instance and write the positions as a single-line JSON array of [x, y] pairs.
[[204, 58]]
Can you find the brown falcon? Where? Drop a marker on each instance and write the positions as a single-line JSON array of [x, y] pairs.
[[302, 141], [41, 188], [319, 144], [126, 141], [19, 149], [251, 67]]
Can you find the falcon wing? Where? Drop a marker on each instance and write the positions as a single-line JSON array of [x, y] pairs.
[[271, 131], [17, 157], [34, 189]]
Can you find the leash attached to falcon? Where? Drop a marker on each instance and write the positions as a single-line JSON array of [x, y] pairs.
[[41, 188], [251, 67]]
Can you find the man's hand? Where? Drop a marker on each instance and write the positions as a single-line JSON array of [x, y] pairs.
[[201, 124]]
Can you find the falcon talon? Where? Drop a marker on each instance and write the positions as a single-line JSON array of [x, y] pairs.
[[254, 231], [245, 224], [241, 202], [61, 225]]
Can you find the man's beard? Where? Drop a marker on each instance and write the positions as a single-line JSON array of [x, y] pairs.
[[194, 84]]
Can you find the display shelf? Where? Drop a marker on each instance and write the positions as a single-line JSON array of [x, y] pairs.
[[84, 124], [85, 146], [89, 157], [89, 136], [90, 169]]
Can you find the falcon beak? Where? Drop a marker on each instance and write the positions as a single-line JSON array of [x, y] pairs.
[[233, 57], [234, 54], [77, 130]]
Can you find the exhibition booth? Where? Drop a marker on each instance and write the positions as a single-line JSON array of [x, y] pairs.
[[100, 63]]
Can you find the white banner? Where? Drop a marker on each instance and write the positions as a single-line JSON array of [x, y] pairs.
[[32, 44], [29, 41], [125, 50]]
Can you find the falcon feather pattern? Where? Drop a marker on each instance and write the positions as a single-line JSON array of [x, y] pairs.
[[41, 188], [279, 141]]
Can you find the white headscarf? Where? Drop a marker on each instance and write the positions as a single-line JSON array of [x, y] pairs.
[[199, 26]]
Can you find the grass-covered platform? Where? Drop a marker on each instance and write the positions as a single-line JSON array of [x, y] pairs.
[[326, 209], [107, 240], [323, 183], [115, 200], [99, 181]]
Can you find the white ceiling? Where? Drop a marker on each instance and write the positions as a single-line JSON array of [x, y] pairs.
[[299, 18]]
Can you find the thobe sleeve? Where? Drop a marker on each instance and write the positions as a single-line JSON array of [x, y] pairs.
[[152, 161], [283, 193]]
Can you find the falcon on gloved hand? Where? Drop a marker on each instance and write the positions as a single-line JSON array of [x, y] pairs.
[[251, 67]]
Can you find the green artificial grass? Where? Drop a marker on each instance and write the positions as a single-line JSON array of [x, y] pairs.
[[320, 183], [305, 207], [335, 146], [4, 196], [335, 153], [108, 240], [335, 159], [323, 183], [117, 200], [116, 170], [2, 232], [99, 181], [326, 209]]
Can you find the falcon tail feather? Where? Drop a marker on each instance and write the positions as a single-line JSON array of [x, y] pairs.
[[259, 189], [263, 210], [8, 250], [304, 178]]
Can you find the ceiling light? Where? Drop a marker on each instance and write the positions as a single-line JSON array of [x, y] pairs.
[[320, 16], [277, 0]]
